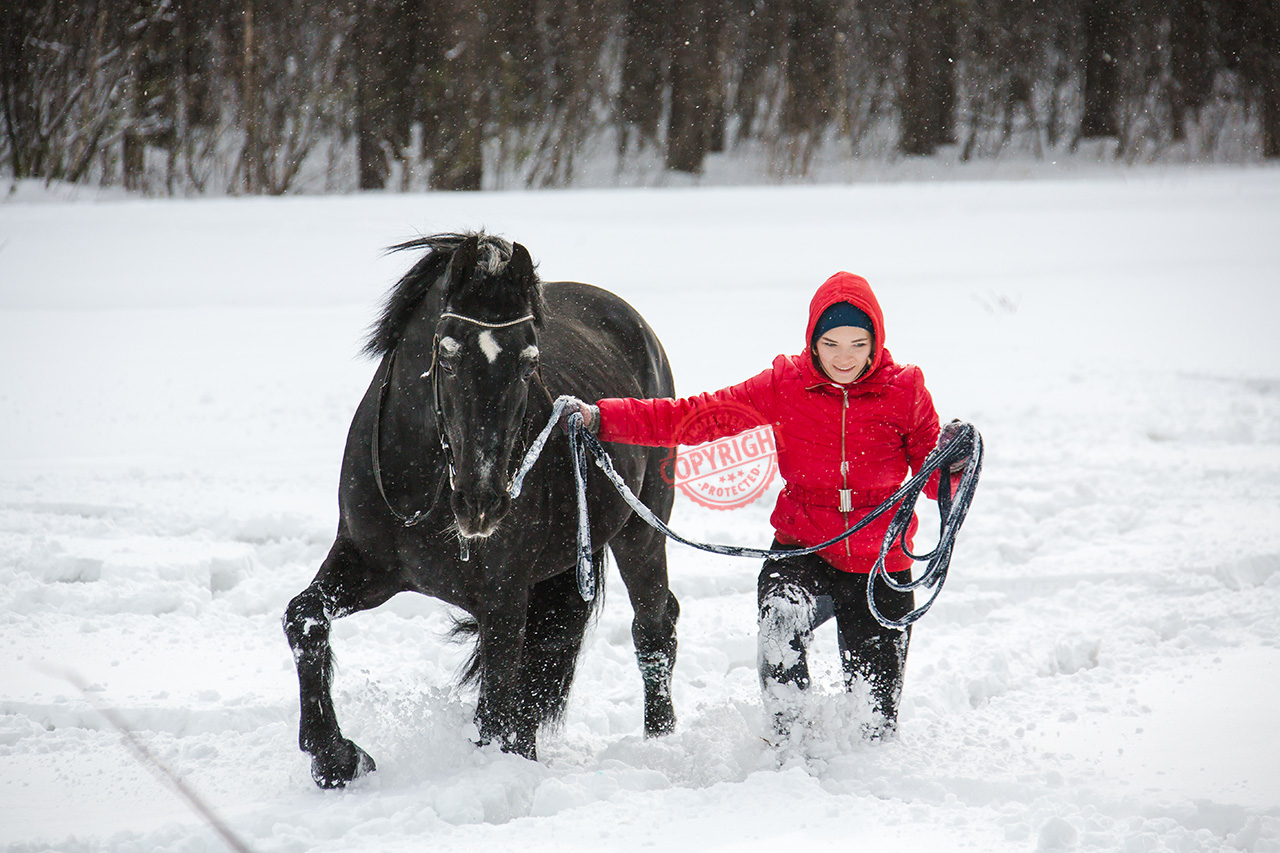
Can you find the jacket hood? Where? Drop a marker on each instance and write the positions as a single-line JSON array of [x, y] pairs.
[[854, 289]]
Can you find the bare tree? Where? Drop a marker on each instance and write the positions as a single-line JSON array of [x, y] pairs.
[[245, 95], [1190, 64], [645, 63], [63, 73], [1250, 44], [695, 82], [926, 97], [1105, 36]]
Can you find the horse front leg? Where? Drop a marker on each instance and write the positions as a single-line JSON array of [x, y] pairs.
[[502, 715], [337, 590]]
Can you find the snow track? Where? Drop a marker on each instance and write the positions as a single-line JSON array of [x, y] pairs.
[[1101, 672]]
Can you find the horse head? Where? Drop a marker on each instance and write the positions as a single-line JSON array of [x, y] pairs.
[[485, 362]]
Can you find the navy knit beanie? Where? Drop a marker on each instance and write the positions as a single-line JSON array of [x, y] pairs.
[[841, 314]]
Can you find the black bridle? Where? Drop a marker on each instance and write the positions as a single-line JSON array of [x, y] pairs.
[[435, 384], [437, 404]]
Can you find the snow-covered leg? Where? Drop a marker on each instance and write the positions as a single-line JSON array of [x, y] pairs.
[[874, 656], [785, 631], [877, 663], [335, 760]]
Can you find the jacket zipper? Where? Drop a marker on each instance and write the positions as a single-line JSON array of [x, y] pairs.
[[846, 494]]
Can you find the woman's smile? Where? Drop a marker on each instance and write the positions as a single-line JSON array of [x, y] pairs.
[[844, 353]]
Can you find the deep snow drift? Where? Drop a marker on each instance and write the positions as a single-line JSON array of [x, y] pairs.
[[1102, 671]]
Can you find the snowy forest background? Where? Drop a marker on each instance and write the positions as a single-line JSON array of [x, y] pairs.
[[284, 96]]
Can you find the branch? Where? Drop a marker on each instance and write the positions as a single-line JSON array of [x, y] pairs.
[[146, 759]]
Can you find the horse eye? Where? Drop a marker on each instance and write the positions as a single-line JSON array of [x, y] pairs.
[[528, 368], [447, 366]]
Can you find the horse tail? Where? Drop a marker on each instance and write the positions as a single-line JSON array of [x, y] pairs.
[[466, 629]]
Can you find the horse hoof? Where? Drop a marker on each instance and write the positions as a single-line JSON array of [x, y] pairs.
[[344, 763], [523, 747], [512, 744]]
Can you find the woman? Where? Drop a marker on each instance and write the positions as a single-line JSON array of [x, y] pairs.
[[848, 422]]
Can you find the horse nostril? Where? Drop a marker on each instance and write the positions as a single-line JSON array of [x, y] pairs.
[[478, 512], [489, 507]]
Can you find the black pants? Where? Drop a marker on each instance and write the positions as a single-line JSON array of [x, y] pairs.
[[792, 594]]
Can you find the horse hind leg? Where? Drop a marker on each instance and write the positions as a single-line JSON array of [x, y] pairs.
[[642, 561], [335, 591]]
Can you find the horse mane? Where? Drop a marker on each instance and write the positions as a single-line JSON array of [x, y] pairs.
[[404, 298]]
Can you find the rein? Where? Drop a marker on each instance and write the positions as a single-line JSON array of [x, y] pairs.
[[375, 456], [952, 510]]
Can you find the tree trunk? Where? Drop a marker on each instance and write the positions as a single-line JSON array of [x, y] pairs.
[[714, 97], [13, 83], [133, 160], [1263, 73], [926, 102], [251, 106], [762, 46], [1103, 40], [645, 63], [1190, 68], [693, 78], [810, 67], [457, 161], [373, 65]]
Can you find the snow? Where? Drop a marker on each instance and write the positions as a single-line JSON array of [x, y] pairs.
[[1101, 672]]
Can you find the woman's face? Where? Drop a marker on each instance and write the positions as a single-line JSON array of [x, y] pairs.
[[844, 353]]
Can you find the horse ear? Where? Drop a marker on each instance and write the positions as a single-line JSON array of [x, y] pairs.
[[521, 263], [463, 262]]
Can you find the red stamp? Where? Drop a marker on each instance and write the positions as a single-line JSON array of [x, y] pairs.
[[727, 473]]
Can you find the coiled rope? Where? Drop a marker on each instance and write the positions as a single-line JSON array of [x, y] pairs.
[[952, 510]]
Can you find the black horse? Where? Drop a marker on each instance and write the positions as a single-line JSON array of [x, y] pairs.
[[474, 348]]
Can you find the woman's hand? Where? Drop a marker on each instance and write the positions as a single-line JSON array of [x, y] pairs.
[[953, 432], [590, 414]]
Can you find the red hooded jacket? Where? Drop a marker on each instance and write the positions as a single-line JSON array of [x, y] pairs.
[[854, 441]]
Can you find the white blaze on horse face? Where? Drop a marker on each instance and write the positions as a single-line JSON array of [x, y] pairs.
[[489, 346], [449, 346], [530, 351]]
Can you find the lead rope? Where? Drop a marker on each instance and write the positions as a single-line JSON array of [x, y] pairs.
[[952, 510]]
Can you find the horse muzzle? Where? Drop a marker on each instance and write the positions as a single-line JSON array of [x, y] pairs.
[[479, 513]]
